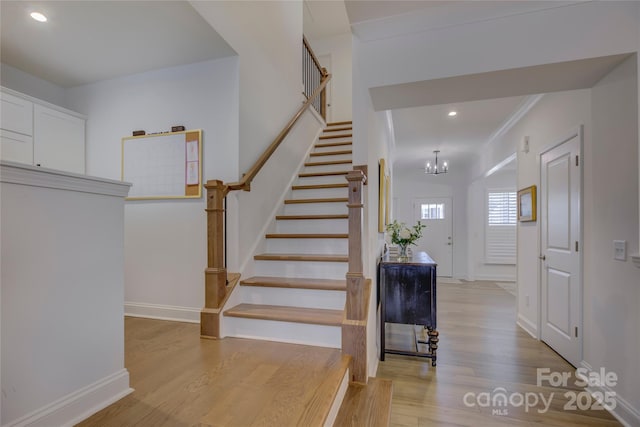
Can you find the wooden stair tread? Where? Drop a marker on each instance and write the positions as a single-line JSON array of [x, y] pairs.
[[314, 316], [323, 200], [296, 283], [329, 162], [301, 257], [333, 144], [367, 405], [314, 174], [349, 122], [306, 236], [319, 186], [331, 153], [304, 217], [342, 135], [338, 128]]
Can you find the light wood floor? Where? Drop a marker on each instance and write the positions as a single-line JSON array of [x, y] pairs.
[[480, 349], [181, 380]]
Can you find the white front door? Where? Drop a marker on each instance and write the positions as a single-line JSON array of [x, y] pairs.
[[561, 244], [437, 238]]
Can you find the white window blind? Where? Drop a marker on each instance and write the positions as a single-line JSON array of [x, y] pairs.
[[500, 235]]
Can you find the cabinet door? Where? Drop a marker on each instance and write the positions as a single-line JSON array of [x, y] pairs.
[[58, 140], [17, 114], [16, 147]]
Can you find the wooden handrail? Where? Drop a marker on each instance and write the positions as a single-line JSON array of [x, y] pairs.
[[216, 282], [245, 182]]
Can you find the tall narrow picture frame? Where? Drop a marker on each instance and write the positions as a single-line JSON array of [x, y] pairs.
[[381, 195], [527, 207]]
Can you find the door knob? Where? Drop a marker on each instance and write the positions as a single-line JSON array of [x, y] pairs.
[[542, 257]]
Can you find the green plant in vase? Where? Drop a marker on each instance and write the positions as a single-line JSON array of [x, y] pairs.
[[404, 236]]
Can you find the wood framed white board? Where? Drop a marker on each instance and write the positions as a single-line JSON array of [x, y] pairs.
[[164, 165]]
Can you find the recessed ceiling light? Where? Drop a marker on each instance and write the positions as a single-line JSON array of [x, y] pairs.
[[453, 113], [38, 17]]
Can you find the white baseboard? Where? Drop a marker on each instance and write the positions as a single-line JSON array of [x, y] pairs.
[[162, 312], [528, 326], [496, 277], [79, 405], [624, 411]]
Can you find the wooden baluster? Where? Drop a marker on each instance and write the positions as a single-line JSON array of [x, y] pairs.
[[215, 274], [354, 327]]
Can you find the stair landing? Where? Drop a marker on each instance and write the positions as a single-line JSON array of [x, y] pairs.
[[181, 380]]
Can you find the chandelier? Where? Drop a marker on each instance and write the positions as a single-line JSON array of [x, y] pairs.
[[435, 169]]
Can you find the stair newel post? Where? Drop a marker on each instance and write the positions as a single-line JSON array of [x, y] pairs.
[[354, 327], [216, 273], [323, 95]]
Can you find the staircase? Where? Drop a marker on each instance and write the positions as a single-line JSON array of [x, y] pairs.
[[299, 289]]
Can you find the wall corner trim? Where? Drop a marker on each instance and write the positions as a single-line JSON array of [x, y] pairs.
[[80, 404], [162, 312], [34, 176], [527, 326], [623, 410]]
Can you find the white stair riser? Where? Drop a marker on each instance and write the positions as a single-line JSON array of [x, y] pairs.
[[330, 157], [300, 333], [315, 208], [329, 179], [319, 193], [327, 168], [301, 269], [313, 226], [308, 246], [308, 298], [333, 148]]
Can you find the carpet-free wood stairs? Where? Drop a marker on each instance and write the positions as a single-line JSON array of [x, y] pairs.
[[299, 290], [300, 280]]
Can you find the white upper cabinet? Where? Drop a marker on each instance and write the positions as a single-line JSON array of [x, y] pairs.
[[42, 134], [16, 114], [16, 147], [58, 141]]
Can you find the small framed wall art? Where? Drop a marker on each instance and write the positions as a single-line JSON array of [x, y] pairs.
[[527, 204]]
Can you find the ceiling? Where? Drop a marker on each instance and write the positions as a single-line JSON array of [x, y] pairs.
[[88, 41], [420, 130]]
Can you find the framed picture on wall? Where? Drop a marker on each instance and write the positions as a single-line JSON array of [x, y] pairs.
[[381, 195], [527, 204]]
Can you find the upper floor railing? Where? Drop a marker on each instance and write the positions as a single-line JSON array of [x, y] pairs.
[[312, 75]]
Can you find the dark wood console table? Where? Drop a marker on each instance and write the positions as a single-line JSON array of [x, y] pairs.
[[407, 292]]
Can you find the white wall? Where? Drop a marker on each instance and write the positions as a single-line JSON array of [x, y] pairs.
[[62, 295], [554, 116], [409, 185], [611, 288], [579, 31], [609, 115], [477, 220], [165, 240], [340, 49], [31, 85], [267, 37], [372, 140]]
